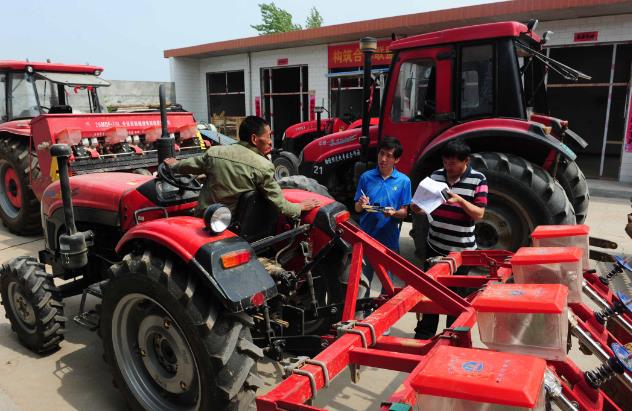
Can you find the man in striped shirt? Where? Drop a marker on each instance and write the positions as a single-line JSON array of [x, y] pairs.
[[452, 224]]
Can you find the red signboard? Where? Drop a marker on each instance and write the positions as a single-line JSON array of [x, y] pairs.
[[628, 127], [258, 106], [585, 36], [282, 62], [312, 106], [349, 55]]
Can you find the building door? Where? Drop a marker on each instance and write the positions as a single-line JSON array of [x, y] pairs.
[[285, 98], [594, 108]]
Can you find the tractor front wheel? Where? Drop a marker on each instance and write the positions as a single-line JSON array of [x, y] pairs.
[[19, 208], [168, 345], [285, 165], [522, 195], [573, 181], [32, 304]]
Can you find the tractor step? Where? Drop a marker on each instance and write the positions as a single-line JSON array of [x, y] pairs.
[[89, 319]]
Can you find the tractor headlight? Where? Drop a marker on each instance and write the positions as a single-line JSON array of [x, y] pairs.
[[217, 218]]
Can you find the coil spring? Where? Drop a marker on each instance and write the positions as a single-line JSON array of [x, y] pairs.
[[616, 270], [599, 375]]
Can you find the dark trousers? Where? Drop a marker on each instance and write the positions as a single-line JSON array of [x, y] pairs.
[[427, 327]]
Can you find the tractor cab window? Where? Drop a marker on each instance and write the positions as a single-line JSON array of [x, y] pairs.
[[477, 80], [3, 98], [414, 98], [23, 100]]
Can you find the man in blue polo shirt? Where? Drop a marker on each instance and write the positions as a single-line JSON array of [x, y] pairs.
[[386, 187]]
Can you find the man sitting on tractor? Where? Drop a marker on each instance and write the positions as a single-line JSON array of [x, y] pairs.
[[235, 169]]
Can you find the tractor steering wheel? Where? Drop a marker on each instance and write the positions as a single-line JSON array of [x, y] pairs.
[[182, 181]]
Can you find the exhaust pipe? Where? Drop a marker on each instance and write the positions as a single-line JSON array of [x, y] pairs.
[[73, 246], [165, 145], [368, 45]]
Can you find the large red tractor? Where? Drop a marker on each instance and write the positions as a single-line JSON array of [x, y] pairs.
[[483, 84], [31, 93], [180, 294]]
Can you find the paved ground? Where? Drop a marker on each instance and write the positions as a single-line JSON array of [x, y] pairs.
[[75, 377]]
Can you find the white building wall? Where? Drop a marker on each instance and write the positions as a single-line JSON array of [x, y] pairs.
[[224, 63], [185, 73], [315, 57], [611, 29]]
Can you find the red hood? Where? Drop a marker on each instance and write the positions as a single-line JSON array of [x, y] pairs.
[[337, 143], [20, 127], [102, 191]]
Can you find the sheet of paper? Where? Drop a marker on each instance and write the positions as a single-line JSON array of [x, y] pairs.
[[428, 195]]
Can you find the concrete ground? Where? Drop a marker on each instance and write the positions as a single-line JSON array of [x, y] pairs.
[[76, 378]]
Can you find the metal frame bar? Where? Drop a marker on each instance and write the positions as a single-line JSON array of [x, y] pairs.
[[605, 130], [363, 343]]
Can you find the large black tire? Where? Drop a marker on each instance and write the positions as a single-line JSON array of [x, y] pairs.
[[522, 195], [32, 304], [156, 315], [573, 181], [285, 165], [304, 183], [19, 208]]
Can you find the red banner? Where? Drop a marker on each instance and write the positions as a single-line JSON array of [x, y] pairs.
[[258, 106], [349, 55], [312, 106]]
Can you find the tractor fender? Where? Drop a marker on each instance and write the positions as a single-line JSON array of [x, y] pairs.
[[526, 139], [187, 238]]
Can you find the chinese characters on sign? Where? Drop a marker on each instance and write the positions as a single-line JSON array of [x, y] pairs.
[[349, 55], [585, 36]]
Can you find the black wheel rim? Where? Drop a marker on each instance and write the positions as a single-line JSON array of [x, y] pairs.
[[506, 224], [154, 356]]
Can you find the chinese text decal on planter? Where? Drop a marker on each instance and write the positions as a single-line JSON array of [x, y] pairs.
[[349, 55]]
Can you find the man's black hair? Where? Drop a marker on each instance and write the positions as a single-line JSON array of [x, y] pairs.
[[456, 148], [388, 143], [251, 125]]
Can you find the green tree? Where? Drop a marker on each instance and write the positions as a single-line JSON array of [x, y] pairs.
[[275, 20], [314, 19]]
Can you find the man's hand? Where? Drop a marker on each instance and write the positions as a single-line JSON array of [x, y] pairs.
[[389, 212], [455, 198], [416, 209], [170, 161], [309, 204], [363, 200]]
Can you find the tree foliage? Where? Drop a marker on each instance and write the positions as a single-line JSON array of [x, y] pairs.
[[314, 19], [275, 20]]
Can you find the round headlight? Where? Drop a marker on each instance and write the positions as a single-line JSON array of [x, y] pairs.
[[217, 218], [97, 72], [29, 69]]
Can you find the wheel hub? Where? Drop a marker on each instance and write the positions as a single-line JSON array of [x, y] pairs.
[[281, 171], [22, 307], [166, 355], [10, 190], [494, 231]]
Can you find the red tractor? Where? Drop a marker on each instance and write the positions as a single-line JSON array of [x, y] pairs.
[[482, 84], [99, 141], [180, 294]]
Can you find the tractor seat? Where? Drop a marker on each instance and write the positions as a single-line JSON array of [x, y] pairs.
[[255, 217], [60, 109]]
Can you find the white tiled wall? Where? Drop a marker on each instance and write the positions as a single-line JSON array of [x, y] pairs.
[[185, 73], [611, 29], [189, 75]]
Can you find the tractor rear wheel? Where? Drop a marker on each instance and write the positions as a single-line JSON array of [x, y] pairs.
[[168, 345], [572, 179], [304, 183], [522, 195], [32, 304], [19, 208]]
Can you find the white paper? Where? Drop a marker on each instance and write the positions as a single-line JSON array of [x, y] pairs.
[[428, 195]]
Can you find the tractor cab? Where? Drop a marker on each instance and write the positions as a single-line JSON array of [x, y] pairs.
[[31, 89]]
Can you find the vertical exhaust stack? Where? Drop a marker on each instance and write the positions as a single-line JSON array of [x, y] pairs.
[[165, 145], [73, 246], [368, 45]]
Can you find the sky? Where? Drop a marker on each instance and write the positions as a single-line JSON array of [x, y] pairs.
[[128, 38]]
